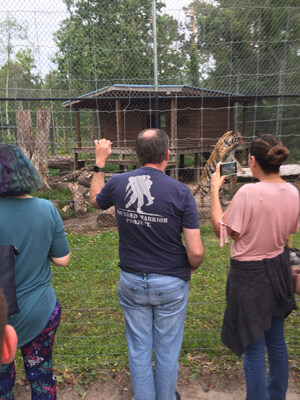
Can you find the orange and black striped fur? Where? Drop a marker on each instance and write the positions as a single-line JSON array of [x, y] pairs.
[[224, 150]]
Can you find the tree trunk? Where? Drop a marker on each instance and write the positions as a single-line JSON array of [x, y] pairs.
[[78, 191], [40, 155], [63, 163], [71, 177], [85, 178], [25, 133]]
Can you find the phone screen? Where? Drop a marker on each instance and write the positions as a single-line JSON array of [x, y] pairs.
[[228, 168]]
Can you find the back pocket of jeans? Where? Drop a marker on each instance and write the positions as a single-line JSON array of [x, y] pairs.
[[126, 292], [171, 299]]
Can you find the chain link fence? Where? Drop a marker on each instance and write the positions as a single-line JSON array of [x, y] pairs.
[[74, 71]]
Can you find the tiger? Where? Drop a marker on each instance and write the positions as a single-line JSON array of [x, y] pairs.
[[225, 150]]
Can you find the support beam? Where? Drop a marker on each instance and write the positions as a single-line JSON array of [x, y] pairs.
[[244, 121], [77, 124], [173, 124], [173, 141], [118, 121]]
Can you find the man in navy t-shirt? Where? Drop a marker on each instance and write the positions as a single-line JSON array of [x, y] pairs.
[[152, 211]]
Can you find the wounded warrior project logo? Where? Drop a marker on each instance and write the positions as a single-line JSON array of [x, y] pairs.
[[138, 196]]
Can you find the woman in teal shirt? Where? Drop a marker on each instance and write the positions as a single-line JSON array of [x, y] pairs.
[[35, 228]]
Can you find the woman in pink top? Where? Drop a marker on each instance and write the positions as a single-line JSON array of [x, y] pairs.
[[259, 292]]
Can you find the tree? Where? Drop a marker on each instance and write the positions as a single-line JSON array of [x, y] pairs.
[[109, 41], [23, 82], [253, 48], [171, 52], [22, 78], [250, 45], [26, 61], [10, 31]]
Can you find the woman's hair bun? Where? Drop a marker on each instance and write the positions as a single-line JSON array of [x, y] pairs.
[[277, 155]]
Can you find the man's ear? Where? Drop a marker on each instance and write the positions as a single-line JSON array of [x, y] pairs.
[[10, 341], [167, 155]]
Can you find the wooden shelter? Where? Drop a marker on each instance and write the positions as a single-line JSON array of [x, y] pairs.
[[194, 118]]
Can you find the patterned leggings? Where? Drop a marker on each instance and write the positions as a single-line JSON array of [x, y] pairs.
[[37, 357]]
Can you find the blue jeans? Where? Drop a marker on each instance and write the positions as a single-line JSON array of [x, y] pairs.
[[255, 364], [154, 308]]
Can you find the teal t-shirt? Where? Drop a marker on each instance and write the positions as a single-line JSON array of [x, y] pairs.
[[35, 228]]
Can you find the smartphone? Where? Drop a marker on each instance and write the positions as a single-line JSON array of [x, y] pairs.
[[228, 168]]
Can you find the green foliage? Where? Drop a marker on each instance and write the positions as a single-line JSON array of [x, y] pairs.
[[245, 40], [194, 66], [22, 79], [111, 41], [60, 198], [11, 31], [171, 51], [279, 118]]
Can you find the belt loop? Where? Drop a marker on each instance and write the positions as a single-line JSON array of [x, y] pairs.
[[145, 280]]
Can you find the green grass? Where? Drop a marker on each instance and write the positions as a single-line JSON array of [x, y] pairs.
[[91, 334], [61, 198]]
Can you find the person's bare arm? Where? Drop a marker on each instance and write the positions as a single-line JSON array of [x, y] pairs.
[[216, 209], [63, 261], [194, 247], [102, 151], [9, 345]]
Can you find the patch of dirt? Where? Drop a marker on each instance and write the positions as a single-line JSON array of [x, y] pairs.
[[92, 223], [203, 383]]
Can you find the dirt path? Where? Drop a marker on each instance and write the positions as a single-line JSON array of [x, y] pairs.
[[204, 385]]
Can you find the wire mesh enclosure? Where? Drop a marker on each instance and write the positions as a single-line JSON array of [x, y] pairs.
[[75, 71]]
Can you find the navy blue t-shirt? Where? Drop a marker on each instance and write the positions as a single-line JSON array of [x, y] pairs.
[[151, 210]]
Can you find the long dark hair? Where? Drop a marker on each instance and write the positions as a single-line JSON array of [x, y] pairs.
[[269, 152]]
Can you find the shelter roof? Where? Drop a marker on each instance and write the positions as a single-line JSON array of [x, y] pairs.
[[119, 91]]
